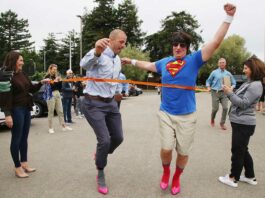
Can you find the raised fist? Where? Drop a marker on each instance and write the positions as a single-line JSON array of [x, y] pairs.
[[230, 9], [101, 45]]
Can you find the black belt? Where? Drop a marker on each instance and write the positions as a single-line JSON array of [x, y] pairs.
[[218, 90], [107, 100]]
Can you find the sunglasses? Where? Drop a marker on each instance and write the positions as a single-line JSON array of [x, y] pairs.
[[182, 45]]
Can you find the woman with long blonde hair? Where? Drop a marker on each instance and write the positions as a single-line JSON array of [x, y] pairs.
[[54, 102]]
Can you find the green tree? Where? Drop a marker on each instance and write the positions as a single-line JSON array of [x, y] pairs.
[[98, 23], [64, 51], [49, 53], [14, 33], [32, 62], [105, 17], [233, 50], [129, 22], [38, 76], [131, 72], [159, 45]]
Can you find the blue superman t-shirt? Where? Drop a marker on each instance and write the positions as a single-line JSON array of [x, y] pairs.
[[182, 72]]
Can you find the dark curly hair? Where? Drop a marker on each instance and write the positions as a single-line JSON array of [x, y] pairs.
[[256, 66]]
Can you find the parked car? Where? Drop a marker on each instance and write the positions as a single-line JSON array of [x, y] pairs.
[[2, 115], [2, 118], [240, 79], [40, 103], [134, 90]]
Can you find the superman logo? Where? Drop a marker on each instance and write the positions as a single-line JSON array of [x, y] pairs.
[[174, 67]]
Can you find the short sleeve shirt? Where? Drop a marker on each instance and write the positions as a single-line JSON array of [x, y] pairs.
[[182, 72]]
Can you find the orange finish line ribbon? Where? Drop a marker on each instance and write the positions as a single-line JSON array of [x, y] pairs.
[[135, 82]]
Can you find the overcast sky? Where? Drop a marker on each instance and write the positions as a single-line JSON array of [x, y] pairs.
[[46, 16]]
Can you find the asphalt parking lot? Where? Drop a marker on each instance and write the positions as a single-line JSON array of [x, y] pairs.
[[65, 165]]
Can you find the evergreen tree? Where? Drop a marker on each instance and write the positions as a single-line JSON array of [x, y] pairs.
[[99, 23], [50, 51], [159, 45], [32, 62], [14, 33], [64, 52], [129, 22]]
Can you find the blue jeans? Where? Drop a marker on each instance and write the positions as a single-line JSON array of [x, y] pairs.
[[67, 104], [20, 131], [78, 109]]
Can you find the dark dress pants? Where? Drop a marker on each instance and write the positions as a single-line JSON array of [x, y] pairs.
[[240, 154], [105, 119]]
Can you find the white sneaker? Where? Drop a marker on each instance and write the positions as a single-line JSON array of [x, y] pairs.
[[51, 130], [251, 181], [228, 181], [67, 128]]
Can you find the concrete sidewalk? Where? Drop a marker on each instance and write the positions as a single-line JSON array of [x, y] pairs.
[[65, 165]]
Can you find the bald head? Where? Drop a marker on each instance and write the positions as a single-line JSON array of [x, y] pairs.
[[117, 41], [69, 71], [114, 34], [222, 63]]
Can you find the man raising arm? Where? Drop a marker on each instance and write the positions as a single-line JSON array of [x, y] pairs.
[[177, 115]]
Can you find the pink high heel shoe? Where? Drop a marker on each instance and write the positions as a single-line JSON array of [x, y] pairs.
[[175, 190], [163, 185], [102, 190], [164, 181]]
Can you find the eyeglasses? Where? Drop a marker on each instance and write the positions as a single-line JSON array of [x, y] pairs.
[[182, 45]]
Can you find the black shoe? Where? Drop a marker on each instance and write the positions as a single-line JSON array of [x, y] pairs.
[[71, 122]]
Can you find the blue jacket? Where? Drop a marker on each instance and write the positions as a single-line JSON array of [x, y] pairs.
[[67, 89]]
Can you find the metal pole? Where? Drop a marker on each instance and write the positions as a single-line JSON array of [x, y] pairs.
[[81, 43], [34, 67], [44, 60], [70, 53]]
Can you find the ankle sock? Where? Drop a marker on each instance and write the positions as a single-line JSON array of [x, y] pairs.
[[166, 173], [175, 181], [101, 178]]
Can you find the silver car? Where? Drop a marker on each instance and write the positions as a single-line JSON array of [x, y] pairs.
[[2, 115]]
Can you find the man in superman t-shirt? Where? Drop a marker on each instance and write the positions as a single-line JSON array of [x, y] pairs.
[[177, 115], [179, 72]]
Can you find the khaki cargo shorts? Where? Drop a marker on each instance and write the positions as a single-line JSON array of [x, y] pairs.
[[177, 131]]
